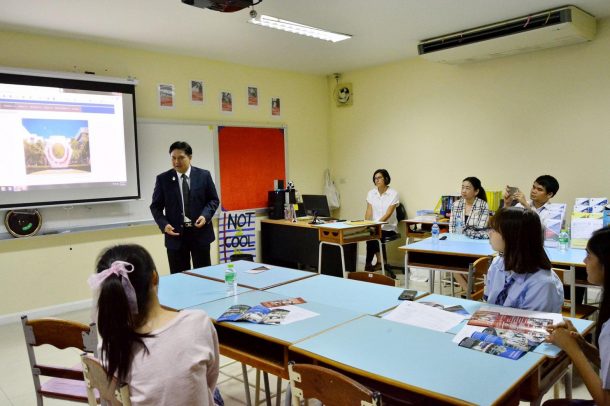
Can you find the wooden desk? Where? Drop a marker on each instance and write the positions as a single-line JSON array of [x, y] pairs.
[[274, 276], [412, 232], [296, 245], [458, 252], [346, 233]]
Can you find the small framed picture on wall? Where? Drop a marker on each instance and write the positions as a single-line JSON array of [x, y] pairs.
[[167, 95], [197, 95], [252, 96], [226, 102], [275, 107]]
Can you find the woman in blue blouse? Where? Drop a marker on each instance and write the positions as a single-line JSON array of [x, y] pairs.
[[521, 275], [578, 349]]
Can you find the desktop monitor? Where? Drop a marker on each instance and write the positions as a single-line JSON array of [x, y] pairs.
[[317, 204]]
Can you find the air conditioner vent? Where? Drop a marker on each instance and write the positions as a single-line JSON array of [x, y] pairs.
[[546, 29]]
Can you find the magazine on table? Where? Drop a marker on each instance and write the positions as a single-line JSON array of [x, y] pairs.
[[506, 332], [254, 314]]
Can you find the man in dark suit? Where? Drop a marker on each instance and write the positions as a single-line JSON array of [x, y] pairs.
[[183, 204]]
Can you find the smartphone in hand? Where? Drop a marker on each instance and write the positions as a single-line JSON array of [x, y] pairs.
[[512, 190], [408, 294]]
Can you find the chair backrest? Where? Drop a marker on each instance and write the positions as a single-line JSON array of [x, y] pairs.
[[330, 387], [371, 277], [581, 311], [477, 272], [68, 382], [113, 393], [401, 212]]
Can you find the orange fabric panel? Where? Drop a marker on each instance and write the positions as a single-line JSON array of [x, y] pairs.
[[249, 159]]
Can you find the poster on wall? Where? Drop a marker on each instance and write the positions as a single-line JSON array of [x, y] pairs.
[[166, 96], [236, 234], [275, 107], [197, 92], [252, 96], [226, 102]]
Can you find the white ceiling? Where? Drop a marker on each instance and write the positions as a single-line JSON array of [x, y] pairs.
[[383, 30]]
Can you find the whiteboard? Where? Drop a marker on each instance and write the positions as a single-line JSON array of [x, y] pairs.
[[154, 139]]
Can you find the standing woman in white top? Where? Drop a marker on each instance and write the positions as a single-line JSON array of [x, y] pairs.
[[166, 357], [381, 202], [583, 354]]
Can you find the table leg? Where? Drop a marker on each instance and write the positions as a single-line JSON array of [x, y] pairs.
[[406, 270], [320, 257], [382, 258], [244, 372], [342, 261], [572, 291], [278, 392], [267, 391]]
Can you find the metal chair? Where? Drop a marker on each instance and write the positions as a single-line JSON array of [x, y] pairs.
[[110, 390], [329, 387], [401, 214], [66, 383]]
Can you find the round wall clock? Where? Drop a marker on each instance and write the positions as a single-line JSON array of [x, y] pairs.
[[22, 223]]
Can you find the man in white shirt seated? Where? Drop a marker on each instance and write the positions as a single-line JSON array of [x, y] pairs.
[[544, 188]]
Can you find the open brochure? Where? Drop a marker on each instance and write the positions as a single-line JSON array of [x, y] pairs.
[[254, 314], [261, 314], [506, 332]]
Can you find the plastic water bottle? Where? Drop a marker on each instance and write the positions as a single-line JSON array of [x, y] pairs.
[[231, 280], [564, 240], [458, 226], [435, 231]]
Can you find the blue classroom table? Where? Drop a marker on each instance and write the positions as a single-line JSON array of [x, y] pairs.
[[266, 346], [422, 364], [457, 252], [276, 275], [358, 296], [179, 291]]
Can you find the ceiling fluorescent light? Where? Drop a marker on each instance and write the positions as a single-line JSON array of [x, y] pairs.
[[296, 28]]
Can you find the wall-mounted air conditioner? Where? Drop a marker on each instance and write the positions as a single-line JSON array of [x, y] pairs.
[[552, 28]]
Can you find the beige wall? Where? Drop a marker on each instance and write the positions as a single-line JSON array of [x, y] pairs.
[[506, 120], [52, 270]]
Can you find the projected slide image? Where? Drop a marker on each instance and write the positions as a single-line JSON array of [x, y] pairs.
[[56, 146]]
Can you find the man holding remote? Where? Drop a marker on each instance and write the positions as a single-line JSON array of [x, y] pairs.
[[183, 204]]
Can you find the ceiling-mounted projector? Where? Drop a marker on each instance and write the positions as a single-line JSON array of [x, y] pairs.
[[225, 6]]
